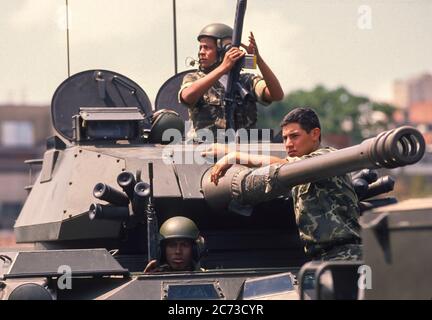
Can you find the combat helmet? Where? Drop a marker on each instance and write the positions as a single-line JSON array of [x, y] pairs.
[[182, 228], [219, 32], [163, 120]]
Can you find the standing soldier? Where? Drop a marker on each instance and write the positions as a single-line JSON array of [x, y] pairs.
[[326, 211], [203, 91]]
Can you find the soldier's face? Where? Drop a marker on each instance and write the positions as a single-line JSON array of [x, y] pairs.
[[298, 142], [207, 52], [178, 254]]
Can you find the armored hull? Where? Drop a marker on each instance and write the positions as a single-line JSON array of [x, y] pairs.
[[92, 242]]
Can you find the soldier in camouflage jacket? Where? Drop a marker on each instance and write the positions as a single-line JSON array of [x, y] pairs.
[[203, 91], [326, 211]]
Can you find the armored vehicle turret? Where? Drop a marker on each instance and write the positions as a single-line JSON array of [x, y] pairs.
[[116, 171]]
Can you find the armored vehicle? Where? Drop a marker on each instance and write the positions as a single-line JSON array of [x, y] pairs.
[[116, 170]]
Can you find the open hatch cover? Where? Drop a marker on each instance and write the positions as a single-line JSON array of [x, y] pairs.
[[95, 88], [167, 96]]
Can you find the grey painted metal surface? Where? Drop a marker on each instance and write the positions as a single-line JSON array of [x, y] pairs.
[[255, 252]]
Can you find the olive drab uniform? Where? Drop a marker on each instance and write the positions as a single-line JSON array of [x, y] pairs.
[[166, 268], [209, 111], [327, 215], [326, 211]]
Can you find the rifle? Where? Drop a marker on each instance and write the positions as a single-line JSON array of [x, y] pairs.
[[143, 201], [152, 223], [234, 75]]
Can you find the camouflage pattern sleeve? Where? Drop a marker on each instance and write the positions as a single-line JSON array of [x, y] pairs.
[[259, 185], [259, 86], [188, 80], [256, 85]]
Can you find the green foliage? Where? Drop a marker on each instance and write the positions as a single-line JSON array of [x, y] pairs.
[[340, 112]]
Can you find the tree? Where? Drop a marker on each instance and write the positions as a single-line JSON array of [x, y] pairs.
[[340, 112]]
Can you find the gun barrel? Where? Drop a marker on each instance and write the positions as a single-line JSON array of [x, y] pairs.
[[153, 234], [382, 185], [152, 222], [108, 212], [126, 180], [234, 74], [141, 198], [390, 149], [104, 192], [238, 22], [368, 175], [360, 187]]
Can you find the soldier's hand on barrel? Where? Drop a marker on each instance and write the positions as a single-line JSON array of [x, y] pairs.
[[231, 57], [220, 167]]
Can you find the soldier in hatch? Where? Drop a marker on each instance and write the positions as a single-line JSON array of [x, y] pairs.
[[203, 91], [326, 211], [181, 247]]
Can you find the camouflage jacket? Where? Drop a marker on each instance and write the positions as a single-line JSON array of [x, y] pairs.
[[326, 211], [165, 267], [209, 111]]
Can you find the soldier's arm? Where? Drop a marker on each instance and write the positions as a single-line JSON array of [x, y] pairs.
[[273, 90], [193, 93], [246, 159], [219, 150]]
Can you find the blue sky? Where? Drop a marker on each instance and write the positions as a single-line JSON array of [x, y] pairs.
[[306, 42]]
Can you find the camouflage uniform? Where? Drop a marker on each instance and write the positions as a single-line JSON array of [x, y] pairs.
[[327, 216], [209, 111], [326, 211], [167, 268], [162, 268]]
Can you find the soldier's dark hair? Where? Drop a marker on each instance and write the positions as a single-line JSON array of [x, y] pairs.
[[305, 117]]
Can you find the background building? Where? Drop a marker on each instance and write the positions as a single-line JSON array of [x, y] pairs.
[[414, 90], [23, 132], [414, 98]]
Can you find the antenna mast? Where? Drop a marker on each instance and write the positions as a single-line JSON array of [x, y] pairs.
[[67, 37], [175, 36]]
